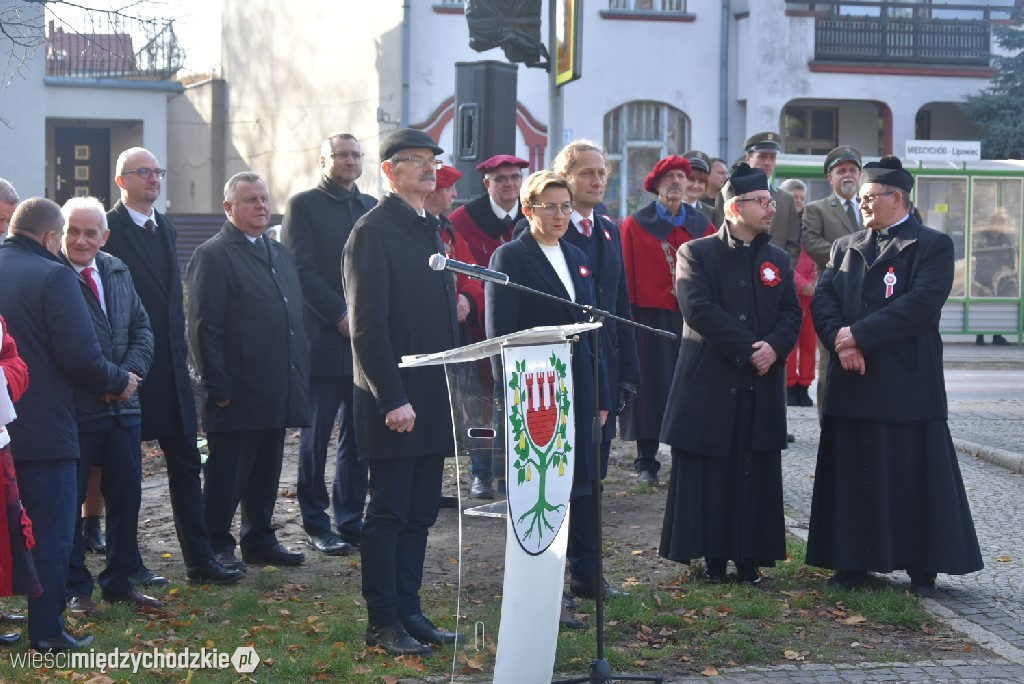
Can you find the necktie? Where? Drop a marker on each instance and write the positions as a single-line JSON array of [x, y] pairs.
[[89, 280], [507, 220], [149, 225], [587, 225], [851, 213]]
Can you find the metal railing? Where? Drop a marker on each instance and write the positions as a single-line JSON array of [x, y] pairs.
[[108, 50], [916, 41], [649, 6]]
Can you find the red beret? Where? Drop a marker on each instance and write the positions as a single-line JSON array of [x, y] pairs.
[[499, 160], [446, 176], [672, 162]]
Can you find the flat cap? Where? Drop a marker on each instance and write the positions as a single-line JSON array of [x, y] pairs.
[[743, 180], [698, 160], [763, 142], [841, 154], [672, 162], [405, 139], [500, 160], [888, 171], [447, 176]]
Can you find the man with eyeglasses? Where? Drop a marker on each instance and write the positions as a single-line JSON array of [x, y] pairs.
[[146, 241], [762, 151], [888, 494], [651, 237], [485, 224], [830, 218], [317, 223], [399, 306], [726, 415]]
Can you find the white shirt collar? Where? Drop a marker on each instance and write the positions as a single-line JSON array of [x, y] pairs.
[[79, 269], [139, 218], [576, 217], [501, 213]]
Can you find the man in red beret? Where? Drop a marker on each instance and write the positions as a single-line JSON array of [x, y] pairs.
[[485, 224], [650, 238]]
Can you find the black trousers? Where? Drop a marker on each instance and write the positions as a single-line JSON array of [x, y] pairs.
[[405, 494], [117, 450], [184, 464], [243, 468]]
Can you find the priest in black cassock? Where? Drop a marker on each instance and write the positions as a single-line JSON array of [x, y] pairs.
[[887, 489], [726, 414]]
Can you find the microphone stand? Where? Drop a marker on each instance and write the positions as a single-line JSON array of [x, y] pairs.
[[600, 670]]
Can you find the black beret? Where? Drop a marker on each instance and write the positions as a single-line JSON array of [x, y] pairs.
[[841, 154], [698, 160], [766, 142], [404, 139], [888, 171], [743, 180]]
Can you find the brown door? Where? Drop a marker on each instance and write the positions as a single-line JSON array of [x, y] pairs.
[[83, 164]]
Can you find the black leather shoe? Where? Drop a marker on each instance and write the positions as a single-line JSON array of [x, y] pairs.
[[922, 583], [62, 642], [748, 573], [144, 577], [790, 438], [647, 477], [792, 398], [979, 340], [329, 544], [12, 618], [588, 589], [481, 489], [92, 534], [449, 501], [134, 598], [229, 561], [1000, 341], [426, 632], [212, 572], [274, 555], [395, 640], [9, 639], [848, 579]]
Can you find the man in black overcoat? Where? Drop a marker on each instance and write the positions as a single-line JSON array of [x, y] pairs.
[[887, 490], [145, 240], [249, 340], [317, 223], [399, 306], [726, 413]]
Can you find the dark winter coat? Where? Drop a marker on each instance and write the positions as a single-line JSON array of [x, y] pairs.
[[727, 306], [247, 334], [316, 225], [125, 337], [398, 306]]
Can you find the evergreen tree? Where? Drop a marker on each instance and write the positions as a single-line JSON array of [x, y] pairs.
[[999, 109]]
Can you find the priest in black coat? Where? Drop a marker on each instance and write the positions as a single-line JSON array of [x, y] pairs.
[[726, 414], [887, 490]]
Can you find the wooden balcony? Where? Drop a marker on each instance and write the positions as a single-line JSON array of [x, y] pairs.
[[947, 42]]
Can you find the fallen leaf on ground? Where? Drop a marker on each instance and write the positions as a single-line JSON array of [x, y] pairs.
[[1003, 559], [855, 620], [709, 671]]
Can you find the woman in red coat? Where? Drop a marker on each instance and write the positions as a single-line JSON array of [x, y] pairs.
[[800, 366], [17, 572]]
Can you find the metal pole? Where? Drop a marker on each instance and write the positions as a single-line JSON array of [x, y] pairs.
[[406, 61], [556, 106], [723, 87]]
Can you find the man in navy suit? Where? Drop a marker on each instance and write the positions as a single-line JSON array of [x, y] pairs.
[[582, 164]]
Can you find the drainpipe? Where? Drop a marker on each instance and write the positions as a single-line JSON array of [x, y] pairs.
[[406, 60], [723, 86]]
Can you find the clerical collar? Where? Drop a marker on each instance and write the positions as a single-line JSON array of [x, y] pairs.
[[140, 218], [501, 213], [894, 228]]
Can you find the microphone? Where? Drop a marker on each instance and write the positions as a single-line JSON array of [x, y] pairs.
[[440, 262]]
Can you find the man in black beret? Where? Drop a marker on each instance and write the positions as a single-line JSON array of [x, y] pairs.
[[887, 489], [762, 150], [828, 219], [726, 414], [398, 306]]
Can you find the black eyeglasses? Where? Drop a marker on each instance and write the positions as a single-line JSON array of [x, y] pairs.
[[763, 202], [146, 172], [354, 156], [871, 197]]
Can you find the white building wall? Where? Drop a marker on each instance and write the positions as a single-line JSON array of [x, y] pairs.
[[22, 106]]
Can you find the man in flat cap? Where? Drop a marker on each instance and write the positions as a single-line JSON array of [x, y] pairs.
[[697, 182], [317, 222], [828, 219], [726, 420], [651, 237], [762, 150], [485, 224], [398, 306], [887, 489]]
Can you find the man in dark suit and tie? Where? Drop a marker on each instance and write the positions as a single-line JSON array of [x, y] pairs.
[[830, 218], [245, 324], [44, 310], [145, 240], [582, 164], [316, 225]]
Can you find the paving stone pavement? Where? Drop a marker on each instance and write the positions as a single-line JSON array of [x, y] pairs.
[[988, 605]]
